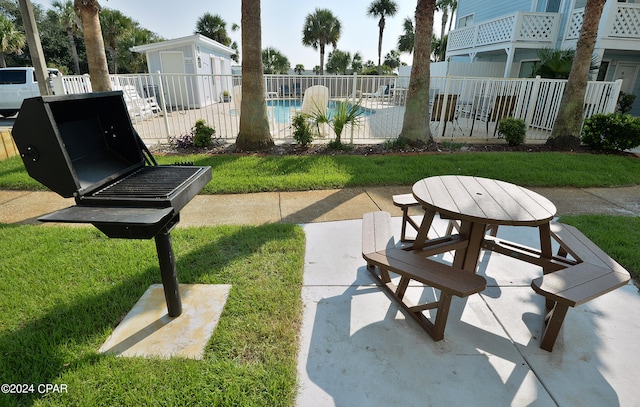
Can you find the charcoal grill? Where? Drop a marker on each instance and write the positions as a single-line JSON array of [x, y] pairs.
[[84, 146]]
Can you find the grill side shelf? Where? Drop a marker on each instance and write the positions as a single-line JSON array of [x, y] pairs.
[[117, 222]]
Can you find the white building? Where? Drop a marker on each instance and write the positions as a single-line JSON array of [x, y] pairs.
[[201, 58]]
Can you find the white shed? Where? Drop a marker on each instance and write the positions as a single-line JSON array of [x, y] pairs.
[[196, 69]]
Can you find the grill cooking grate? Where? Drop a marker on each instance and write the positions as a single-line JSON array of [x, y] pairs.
[[149, 182]]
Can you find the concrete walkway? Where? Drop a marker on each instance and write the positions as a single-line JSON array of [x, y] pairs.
[[316, 206], [358, 349]]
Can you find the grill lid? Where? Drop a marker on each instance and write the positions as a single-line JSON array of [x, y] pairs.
[[76, 143]]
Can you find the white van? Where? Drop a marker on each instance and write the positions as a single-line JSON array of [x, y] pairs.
[[17, 84]]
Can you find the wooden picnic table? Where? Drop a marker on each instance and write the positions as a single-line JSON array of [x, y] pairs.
[[478, 203], [578, 273]]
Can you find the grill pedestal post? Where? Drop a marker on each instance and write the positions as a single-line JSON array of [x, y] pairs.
[[168, 272]]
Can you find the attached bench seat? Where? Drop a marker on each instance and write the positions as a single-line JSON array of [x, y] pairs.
[[595, 274], [404, 202], [378, 249]]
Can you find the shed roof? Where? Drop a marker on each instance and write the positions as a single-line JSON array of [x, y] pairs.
[[197, 39]]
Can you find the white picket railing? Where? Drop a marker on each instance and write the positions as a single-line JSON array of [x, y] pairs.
[[167, 105]]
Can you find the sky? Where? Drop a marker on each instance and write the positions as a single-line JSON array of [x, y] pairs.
[[282, 22]]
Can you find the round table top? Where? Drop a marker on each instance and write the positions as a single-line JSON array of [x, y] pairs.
[[481, 199]]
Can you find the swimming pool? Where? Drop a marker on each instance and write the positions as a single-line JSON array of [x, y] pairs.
[[283, 109]]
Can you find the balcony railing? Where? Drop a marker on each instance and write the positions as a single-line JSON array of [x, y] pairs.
[[622, 21], [517, 27]]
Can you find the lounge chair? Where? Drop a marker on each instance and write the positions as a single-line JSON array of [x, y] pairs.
[[316, 100], [380, 93], [449, 114], [138, 106]]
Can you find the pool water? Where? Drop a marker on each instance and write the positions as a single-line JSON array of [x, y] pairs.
[[284, 108]]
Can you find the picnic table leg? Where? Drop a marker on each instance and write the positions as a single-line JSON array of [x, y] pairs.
[[552, 325], [546, 252], [467, 258], [423, 232]]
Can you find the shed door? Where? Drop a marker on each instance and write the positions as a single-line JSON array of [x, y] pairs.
[[216, 71], [175, 85]]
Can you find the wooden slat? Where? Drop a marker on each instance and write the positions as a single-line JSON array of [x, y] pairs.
[[516, 202], [405, 200], [429, 272], [481, 199], [578, 284], [581, 247], [376, 232]]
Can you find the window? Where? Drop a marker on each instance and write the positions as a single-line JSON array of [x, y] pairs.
[[465, 21], [553, 6], [527, 69], [602, 72], [13, 76]]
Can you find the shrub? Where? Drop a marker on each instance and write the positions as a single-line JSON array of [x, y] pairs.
[[513, 130], [611, 131], [625, 102], [183, 141], [202, 134], [302, 133]]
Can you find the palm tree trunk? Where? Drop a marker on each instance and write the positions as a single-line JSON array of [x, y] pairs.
[[74, 52], [321, 59], [96, 57], [415, 127], [254, 126], [568, 124], [380, 32]]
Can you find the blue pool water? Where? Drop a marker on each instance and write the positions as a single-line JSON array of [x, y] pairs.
[[283, 109]]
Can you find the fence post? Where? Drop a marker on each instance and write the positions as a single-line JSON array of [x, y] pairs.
[[444, 107], [350, 97], [613, 102], [534, 98], [164, 104]]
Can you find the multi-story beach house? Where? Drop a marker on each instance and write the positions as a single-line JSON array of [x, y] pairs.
[[511, 32]]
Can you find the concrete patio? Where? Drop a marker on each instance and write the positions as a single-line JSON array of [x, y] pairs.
[[359, 349]]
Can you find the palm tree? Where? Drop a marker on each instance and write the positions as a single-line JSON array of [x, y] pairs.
[[118, 27], [415, 127], [381, 8], [214, 27], [321, 28], [254, 125], [554, 63], [446, 6], [71, 22], [11, 40], [405, 41], [299, 69], [338, 62], [568, 124], [356, 62], [392, 59], [96, 56], [274, 62]]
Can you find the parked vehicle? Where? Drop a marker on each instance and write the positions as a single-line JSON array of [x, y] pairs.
[[17, 84]]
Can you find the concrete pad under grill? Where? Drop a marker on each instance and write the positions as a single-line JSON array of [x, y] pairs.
[[148, 331]]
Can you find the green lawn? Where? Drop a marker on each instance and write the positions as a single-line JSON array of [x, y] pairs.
[[252, 173], [64, 290]]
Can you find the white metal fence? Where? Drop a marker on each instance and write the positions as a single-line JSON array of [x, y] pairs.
[[463, 109]]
